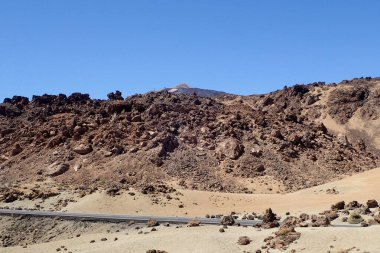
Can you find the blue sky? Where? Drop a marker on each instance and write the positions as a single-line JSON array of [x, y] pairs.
[[243, 47]]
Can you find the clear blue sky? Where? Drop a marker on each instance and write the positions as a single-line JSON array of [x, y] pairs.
[[244, 47]]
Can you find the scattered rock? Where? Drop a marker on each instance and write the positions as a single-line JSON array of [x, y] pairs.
[[230, 148], [152, 223], [57, 169], [194, 223], [372, 203], [338, 206], [244, 240], [283, 238], [83, 149], [355, 218], [77, 167], [227, 220], [16, 150]]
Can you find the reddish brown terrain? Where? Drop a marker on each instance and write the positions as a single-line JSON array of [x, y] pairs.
[[296, 137]]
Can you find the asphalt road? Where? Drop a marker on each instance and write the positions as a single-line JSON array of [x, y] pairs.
[[119, 218]]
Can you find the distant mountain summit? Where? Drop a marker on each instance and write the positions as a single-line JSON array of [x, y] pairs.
[[186, 89]]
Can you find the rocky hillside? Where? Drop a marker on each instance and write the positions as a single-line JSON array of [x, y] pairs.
[[297, 137]]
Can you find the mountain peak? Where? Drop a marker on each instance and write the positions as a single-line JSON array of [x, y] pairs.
[[183, 86]]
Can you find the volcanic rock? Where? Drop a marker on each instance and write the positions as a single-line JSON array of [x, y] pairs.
[[230, 148], [56, 169], [244, 240], [228, 220], [372, 203], [83, 149]]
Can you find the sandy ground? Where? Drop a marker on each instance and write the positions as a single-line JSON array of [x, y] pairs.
[[207, 239], [360, 187]]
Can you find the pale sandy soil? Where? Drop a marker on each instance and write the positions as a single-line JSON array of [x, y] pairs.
[[360, 187], [207, 239]]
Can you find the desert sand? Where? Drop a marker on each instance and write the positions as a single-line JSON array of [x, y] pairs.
[[207, 239], [359, 187]]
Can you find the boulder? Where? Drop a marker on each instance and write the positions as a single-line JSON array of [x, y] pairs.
[[331, 215], [9, 110], [227, 220], [194, 223], [16, 150], [372, 203], [311, 100], [353, 205], [320, 221], [256, 151], [377, 218], [115, 96], [304, 216], [230, 148], [355, 218], [338, 206], [83, 149], [244, 240], [152, 223], [57, 169], [77, 167], [269, 216]]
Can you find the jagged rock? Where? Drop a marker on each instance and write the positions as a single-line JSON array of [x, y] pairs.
[[283, 238], [331, 215], [292, 221], [320, 221], [230, 148], [355, 218], [311, 100], [304, 216], [83, 149], [115, 96], [256, 151], [152, 223], [269, 216], [269, 219], [194, 223], [16, 150], [57, 169], [77, 167], [377, 218], [227, 220], [353, 205], [338, 206], [244, 240], [9, 110], [372, 203]]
